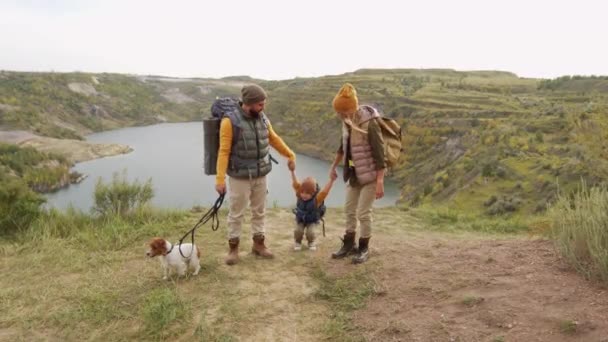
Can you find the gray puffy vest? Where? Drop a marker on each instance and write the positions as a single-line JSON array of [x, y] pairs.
[[249, 155]]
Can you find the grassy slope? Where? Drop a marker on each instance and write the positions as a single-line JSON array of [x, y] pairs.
[[74, 277], [99, 285]]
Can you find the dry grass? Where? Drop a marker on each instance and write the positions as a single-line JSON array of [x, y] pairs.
[[580, 230], [88, 279]]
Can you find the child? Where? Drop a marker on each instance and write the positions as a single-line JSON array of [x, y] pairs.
[[309, 208]]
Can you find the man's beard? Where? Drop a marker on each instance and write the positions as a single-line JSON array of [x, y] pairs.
[[254, 114]]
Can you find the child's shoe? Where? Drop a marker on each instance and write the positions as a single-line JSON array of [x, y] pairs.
[[312, 246]]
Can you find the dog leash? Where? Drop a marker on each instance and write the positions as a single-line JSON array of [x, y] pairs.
[[211, 214]]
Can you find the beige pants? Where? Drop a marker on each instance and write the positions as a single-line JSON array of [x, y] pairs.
[[298, 232], [240, 193], [358, 208]]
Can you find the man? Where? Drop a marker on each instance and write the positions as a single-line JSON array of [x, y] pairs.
[[246, 160]]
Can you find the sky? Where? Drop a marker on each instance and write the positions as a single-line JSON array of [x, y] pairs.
[[282, 39]]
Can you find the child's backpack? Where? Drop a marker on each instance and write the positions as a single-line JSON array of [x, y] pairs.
[[321, 209], [391, 134]]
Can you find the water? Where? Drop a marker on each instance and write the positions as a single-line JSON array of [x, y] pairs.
[[172, 156]]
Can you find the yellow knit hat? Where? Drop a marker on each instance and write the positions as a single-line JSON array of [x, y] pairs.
[[346, 101]]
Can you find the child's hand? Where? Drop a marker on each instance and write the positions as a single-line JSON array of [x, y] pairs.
[[333, 176], [294, 178], [291, 164]]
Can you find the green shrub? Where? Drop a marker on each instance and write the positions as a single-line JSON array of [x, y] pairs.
[[502, 205], [121, 197], [579, 228], [19, 205]]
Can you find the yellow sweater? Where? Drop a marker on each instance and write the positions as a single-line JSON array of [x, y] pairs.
[[226, 146]]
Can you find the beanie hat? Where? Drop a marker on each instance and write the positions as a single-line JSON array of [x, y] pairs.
[[253, 93], [309, 185], [346, 100]]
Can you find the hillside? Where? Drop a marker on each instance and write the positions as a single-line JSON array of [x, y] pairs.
[[477, 141], [484, 142], [72, 105]]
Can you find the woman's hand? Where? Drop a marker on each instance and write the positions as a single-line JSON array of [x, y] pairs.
[[379, 189]]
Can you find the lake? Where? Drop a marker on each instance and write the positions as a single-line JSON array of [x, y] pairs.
[[171, 154]]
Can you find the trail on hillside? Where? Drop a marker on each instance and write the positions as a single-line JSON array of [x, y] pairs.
[[442, 287], [430, 286]]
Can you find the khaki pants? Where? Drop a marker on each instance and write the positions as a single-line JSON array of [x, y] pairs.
[[358, 208], [298, 232], [240, 193]]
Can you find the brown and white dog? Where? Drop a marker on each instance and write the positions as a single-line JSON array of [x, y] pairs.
[[171, 259]]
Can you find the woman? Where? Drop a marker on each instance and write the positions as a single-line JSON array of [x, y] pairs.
[[362, 153]]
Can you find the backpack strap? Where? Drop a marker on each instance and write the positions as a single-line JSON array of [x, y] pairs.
[[384, 126], [235, 120], [266, 124], [265, 120]]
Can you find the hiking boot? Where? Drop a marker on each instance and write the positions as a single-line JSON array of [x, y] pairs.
[[348, 246], [259, 248], [233, 254], [312, 246], [363, 252]]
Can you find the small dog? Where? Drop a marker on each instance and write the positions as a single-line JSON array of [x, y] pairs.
[[172, 260]]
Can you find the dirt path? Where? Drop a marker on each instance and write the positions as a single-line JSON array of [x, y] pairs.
[[430, 287], [438, 287], [15, 137]]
